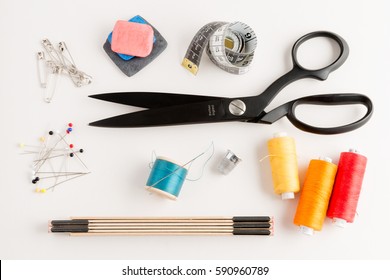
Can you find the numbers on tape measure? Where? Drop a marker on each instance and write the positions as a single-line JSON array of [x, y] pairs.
[[230, 46]]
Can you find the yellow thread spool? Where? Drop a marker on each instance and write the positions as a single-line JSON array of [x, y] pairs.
[[316, 192], [284, 165]]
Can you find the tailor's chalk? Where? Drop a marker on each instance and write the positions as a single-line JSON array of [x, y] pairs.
[[132, 38], [131, 67], [137, 19]]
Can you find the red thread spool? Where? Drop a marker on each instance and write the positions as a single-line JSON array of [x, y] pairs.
[[346, 190]]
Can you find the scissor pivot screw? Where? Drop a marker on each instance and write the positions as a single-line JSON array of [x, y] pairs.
[[237, 107]]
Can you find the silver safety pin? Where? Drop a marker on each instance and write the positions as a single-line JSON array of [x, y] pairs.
[[64, 51], [54, 55], [58, 61], [52, 82], [48, 71], [42, 69], [78, 77]]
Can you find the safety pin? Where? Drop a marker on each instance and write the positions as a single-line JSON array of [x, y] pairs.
[[54, 55], [59, 60], [42, 70], [52, 80], [64, 51], [48, 71], [78, 77]]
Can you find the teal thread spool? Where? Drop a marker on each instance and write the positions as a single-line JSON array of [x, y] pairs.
[[166, 178]]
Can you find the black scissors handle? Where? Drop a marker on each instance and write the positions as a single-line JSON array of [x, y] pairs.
[[323, 73], [288, 109], [299, 72]]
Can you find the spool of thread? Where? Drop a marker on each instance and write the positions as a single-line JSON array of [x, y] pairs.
[[347, 187], [316, 192], [284, 165], [166, 178]]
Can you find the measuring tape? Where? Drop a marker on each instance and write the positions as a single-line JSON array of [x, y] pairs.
[[230, 46]]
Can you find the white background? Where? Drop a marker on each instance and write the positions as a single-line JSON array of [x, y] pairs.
[[118, 158]]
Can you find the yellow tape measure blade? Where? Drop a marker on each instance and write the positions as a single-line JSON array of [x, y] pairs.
[[190, 66]]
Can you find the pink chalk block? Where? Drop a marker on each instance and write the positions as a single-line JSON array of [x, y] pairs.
[[132, 38]]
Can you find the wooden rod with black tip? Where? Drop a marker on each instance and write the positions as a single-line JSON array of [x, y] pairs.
[[239, 225]]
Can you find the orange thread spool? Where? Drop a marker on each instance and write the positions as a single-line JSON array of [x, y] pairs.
[[316, 192], [284, 165]]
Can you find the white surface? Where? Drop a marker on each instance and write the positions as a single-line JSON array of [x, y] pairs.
[[119, 158]]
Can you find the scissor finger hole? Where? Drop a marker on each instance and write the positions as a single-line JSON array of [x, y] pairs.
[[326, 116], [317, 53]]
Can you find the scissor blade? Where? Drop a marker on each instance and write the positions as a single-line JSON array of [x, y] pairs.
[[151, 99], [203, 112]]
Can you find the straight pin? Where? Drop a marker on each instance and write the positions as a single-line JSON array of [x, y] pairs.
[[53, 160]]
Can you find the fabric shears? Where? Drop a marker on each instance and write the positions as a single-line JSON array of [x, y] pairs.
[[177, 109]]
